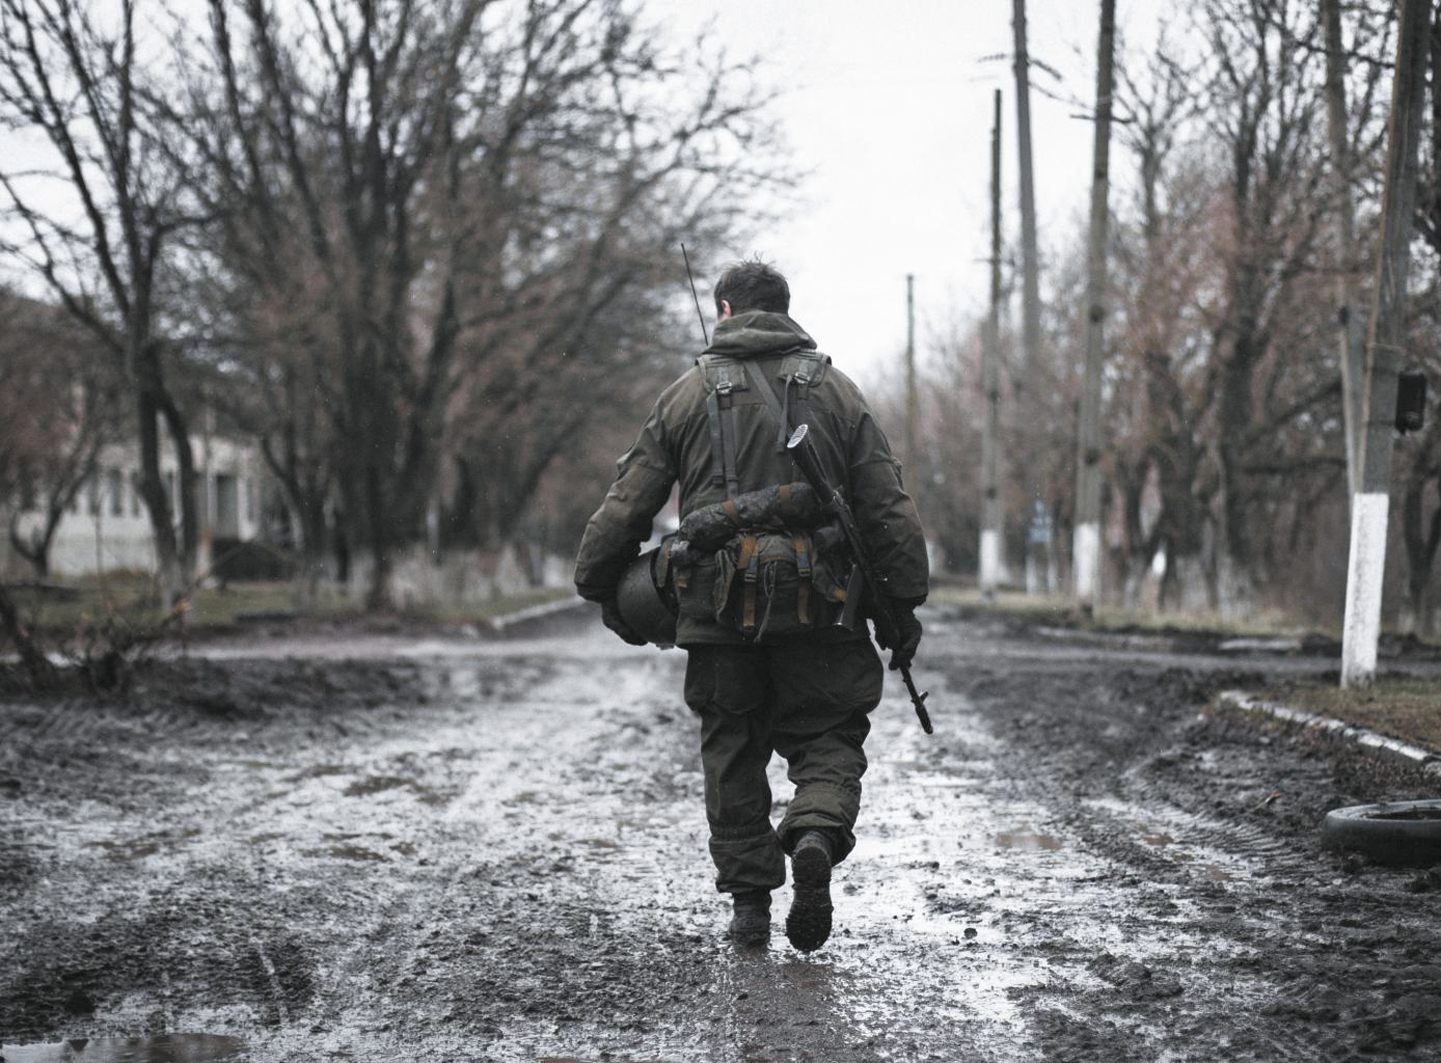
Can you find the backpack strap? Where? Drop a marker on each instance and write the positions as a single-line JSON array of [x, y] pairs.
[[803, 369], [800, 369], [801, 543], [723, 377], [748, 563]]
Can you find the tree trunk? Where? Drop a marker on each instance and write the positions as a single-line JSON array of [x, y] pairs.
[[1235, 587], [32, 658], [1420, 535], [34, 549], [173, 582], [185, 476]]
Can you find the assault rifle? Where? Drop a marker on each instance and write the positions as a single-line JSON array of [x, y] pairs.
[[863, 582]]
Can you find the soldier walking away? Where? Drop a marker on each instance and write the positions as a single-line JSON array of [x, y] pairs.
[[757, 575]]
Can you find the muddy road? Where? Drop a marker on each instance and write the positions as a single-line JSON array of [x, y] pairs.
[[466, 849]]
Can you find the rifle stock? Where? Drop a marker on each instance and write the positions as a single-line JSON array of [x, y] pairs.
[[804, 452]]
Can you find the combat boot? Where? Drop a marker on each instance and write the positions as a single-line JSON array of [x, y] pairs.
[[809, 922], [751, 919]]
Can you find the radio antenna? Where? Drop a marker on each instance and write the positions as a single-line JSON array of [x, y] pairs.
[[698, 312]]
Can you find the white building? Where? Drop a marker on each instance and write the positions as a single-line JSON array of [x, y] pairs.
[[107, 527]]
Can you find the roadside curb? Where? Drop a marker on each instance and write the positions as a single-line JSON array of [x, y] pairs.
[[501, 624], [1391, 748]]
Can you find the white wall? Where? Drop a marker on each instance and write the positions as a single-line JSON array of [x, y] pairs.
[[107, 527]]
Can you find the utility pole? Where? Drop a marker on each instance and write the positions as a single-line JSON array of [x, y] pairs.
[[1348, 316], [1371, 504], [1086, 547], [1038, 550], [990, 572]]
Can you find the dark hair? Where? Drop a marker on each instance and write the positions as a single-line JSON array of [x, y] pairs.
[[753, 285]]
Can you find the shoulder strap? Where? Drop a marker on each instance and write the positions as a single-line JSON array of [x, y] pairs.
[[723, 376], [803, 368]]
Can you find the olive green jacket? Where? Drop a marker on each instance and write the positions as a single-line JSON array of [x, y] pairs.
[[675, 445]]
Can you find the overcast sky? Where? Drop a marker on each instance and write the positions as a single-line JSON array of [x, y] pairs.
[[890, 109]]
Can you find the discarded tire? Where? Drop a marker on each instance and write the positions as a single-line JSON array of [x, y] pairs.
[[1398, 833]]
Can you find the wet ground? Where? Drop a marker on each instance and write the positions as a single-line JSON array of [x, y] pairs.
[[399, 847]]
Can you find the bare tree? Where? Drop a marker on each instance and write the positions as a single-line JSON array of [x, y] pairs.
[[446, 207], [1157, 416], [79, 84], [1263, 109], [58, 407]]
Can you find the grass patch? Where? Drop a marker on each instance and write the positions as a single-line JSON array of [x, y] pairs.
[[490, 609], [1406, 709], [1061, 611]]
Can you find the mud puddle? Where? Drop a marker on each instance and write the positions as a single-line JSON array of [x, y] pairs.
[[164, 1048], [497, 851]]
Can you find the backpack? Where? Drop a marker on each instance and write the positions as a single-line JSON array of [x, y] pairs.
[[764, 563]]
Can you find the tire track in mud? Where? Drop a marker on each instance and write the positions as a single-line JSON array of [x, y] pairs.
[[526, 936], [589, 928], [1214, 889], [500, 855], [143, 909]]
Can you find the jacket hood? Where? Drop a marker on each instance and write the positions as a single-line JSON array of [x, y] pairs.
[[757, 332]]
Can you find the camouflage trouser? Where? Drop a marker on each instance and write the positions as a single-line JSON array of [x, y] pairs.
[[806, 700]]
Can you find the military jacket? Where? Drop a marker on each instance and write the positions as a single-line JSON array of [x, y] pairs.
[[675, 445]]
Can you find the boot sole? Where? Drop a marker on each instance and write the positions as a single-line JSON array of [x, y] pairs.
[[808, 923]]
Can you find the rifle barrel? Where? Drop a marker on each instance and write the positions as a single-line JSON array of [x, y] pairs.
[[887, 629]]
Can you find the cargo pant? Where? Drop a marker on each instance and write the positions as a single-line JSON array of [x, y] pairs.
[[807, 700]]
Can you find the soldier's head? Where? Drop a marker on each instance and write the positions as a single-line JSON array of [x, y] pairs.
[[752, 285]]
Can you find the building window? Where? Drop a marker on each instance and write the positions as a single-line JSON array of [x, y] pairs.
[[135, 494], [227, 506], [115, 484]]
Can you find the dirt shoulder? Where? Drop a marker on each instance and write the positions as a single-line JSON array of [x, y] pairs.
[[1400, 704]]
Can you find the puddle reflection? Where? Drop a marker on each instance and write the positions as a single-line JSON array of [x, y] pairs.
[[1027, 839], [166, 1048]]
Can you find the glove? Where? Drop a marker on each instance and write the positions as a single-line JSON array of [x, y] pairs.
[[909, 640], [611, 618]]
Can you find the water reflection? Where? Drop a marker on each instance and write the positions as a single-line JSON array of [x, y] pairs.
[[1027, 839], [165, 1048]]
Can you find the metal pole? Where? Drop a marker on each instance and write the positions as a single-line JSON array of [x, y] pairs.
[[1028, 394], [1086, 546], [990, 566], [1348, 317], [1369, 509]]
